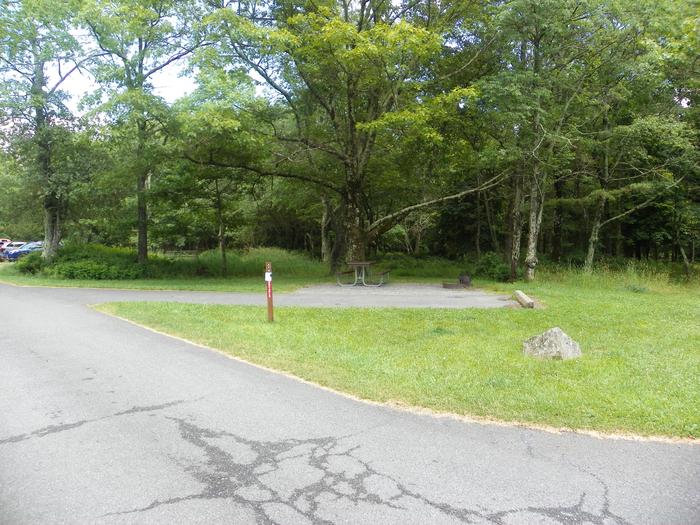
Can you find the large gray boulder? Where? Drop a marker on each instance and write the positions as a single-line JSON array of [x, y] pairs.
[[552, 344]]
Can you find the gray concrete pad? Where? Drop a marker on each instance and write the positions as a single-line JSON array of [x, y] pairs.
[[397, 296], [392, 295]]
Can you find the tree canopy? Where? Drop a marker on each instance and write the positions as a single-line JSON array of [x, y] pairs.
[[563, 129]]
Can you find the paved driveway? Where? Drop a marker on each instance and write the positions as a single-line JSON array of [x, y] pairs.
[[104, 422]]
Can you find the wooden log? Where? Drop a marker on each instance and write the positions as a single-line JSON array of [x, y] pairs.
[[523, 299]]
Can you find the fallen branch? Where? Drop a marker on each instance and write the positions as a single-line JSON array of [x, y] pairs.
[[524, 300], [398, 215]]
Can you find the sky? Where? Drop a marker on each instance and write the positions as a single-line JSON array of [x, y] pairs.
[[167, 84]]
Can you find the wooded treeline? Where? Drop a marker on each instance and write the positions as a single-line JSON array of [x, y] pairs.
[[565, 129]]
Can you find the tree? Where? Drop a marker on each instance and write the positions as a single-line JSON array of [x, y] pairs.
[[645, 159], [38, 53], [138, 39], [20, 216], [340, 71], [217, 122]]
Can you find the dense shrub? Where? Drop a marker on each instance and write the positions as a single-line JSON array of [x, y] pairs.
[[405, 265], [250, 263], [94, 270], [394, 240], [109, 255], [97, 262], [491, 266], [94, 262], [31, 263]]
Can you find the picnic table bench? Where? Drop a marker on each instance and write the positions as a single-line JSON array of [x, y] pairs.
[[361, 275]]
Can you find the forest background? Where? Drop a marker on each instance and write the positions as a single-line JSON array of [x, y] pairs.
[[520, 130]]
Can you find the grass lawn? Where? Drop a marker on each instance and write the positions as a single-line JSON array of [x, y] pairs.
[[640, 372]]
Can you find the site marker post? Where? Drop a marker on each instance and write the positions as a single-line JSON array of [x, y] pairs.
[[268, 280]]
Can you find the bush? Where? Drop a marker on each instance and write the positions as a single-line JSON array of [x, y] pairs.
[[97, 262], [31, 263], [94, 270], [425, 266], [394, 240], [491, 266], [94, 262], [250, 263]]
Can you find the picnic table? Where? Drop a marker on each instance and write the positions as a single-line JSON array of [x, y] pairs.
[[361, 272]]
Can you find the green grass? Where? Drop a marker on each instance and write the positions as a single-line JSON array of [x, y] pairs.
[[639, 334]]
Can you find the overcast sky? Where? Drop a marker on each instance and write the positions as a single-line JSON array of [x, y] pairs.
[[167, 84]]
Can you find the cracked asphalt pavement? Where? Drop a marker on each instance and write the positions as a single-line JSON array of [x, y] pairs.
[[104, 422]]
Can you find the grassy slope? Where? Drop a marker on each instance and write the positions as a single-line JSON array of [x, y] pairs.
[[639, 372]]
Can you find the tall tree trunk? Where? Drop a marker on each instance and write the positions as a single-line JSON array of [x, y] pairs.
[[595, 234], [418, 241], [537, 189], [407, 242], [619, 251], [515, 228], [142, 218], [52, 226], [221, 234], [141, 186], [52, 201], [495, 245], [534, 223], [356, 235], [309, 243], [53, 205], [477, 243], [325, 223], [339, 225], [681, 251], [558, 221], [515, 224], [222, 249], [604, 177], [686, 262]]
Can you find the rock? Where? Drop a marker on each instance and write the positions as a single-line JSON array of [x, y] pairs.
[[552, 344]]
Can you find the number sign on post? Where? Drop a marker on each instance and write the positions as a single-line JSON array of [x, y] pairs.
[[268, 281]]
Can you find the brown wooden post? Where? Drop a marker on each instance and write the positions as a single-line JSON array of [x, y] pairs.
[[268, 280]]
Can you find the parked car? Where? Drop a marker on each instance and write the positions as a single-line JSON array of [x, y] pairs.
[[14, 245], [23, 250], [3, 243]]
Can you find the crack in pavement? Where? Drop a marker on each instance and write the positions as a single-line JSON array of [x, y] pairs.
[[150, 408], [564, 515], [54, 429], [300, 478], [605, 508]]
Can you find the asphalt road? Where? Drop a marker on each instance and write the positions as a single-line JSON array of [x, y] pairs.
[[105, 422]]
